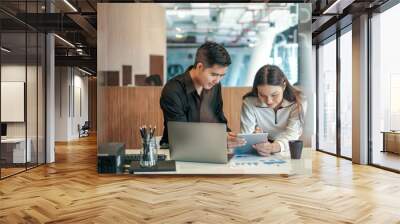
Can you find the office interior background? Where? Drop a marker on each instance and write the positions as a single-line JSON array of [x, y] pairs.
[[250, 43], [53, 71]]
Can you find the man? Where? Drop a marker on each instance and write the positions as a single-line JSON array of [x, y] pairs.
[[195, 95]]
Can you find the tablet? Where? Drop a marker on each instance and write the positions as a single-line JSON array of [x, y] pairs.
[[251, 139]]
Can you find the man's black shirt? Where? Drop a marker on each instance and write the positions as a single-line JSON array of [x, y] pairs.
[[180, 102]]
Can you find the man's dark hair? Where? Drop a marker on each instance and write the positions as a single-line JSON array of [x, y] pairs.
[[211, 53]]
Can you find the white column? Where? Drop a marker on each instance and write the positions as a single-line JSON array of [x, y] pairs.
[[50, 99], [306, 72], [360, 90]]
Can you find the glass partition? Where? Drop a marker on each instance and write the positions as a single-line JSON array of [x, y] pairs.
[[22, 89], [14, 153]]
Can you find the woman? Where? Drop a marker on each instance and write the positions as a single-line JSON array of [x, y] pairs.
[[273, 106]]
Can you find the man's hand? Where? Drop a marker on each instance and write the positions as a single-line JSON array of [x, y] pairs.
[[234, 141], [266, 148]]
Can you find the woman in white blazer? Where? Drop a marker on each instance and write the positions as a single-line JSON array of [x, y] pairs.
[[273, 106]]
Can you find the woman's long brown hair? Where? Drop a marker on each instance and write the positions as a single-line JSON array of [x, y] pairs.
[[273, 75]]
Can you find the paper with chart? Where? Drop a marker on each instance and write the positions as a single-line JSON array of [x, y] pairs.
[[252, 160]]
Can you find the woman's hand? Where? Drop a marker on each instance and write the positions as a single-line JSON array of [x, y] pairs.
[[258, 130], [266, 148], [234, 141]]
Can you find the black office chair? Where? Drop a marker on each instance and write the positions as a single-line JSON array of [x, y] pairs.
[[84, 130]]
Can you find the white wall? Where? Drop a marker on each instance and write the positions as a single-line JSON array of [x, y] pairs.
[[61, 103], [15, 73], [127, 34], [33, 126], [69, 82], [10, 73], [80, 83]]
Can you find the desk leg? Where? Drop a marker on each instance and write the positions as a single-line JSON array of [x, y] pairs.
[[384, 143]]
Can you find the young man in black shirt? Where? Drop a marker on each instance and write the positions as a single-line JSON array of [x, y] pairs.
[[195, 95]]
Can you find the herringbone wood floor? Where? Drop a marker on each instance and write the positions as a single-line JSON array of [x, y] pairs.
[[70, 191]]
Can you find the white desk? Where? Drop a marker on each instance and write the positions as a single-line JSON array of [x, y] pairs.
[[18, 149], [290, 167]]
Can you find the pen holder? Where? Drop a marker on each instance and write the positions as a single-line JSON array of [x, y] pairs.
[[148, 153]]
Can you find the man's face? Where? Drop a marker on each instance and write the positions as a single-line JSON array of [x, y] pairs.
[[209, 77]]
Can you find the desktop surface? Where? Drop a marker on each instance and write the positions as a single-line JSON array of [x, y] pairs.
[[279, 163]]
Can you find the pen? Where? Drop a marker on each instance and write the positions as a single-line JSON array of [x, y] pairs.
[[141, 132], [152, 132]]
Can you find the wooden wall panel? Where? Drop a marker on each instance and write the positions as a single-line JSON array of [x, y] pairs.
[[232, 105], [157, 66], [126, 75], [122, 110], [92, 85], [127, 34]]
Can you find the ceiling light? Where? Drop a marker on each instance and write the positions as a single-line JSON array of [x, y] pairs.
[[64, 40], [179, 36], [337, 7], [70, 5], [5, 50], [84, 71], [178, 29]]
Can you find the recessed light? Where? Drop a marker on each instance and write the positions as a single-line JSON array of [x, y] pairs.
[[5, 50], [64, 40], [70, 5]]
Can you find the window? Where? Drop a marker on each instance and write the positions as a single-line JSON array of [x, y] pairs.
[[346, 94], [385, 85], [327, 97]]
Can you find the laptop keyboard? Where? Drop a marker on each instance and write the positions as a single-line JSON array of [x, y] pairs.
[[136, 157]]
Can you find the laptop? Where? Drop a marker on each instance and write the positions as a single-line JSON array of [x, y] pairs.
[[198, 142]]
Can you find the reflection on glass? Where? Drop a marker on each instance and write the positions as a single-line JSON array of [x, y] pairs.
[[22, 90], [385, 86], [13, 86], [41, 98], [327, 97], [254, 35], [346, 94], [31, 101]]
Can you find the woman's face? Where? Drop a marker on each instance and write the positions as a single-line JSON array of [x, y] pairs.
[[270, 95]]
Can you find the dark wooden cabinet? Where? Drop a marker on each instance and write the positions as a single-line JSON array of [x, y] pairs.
[[391, 141]]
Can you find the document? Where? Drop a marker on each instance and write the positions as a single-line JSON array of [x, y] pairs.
[[252, 160]]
